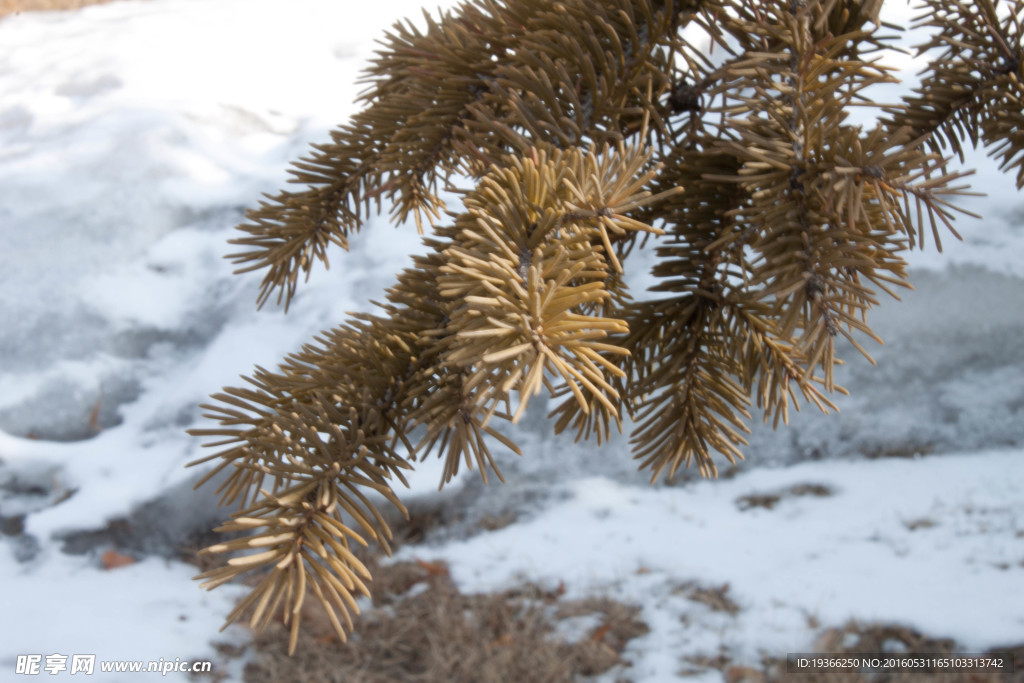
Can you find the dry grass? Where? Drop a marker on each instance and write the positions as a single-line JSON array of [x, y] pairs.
[[16, 6], [714, 597], [768, 501], [421, 628], [855, 638]]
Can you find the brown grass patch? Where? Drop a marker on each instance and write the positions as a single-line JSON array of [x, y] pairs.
[[714, 597], [859, 639], [855, 638], [769, 500], [17, 6], [421, 628], [922, 523], [899, 451], [495, 522]]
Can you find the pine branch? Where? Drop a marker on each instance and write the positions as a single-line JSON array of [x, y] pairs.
[[577, 132], [464, 92], [971, 92], [452, 346]]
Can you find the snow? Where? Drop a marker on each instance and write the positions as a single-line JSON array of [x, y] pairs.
[[852, 553], [132, 137], [136, 612]]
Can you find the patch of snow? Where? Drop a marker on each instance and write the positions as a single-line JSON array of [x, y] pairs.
[[935, 544]]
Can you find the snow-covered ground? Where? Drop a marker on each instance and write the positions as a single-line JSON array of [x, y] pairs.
[[132, 136]]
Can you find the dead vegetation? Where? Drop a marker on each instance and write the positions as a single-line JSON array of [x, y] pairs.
[[856, 638], [906, 451], [769, 500], [421, 628], [716, 598], [920, 523], [18, 6]]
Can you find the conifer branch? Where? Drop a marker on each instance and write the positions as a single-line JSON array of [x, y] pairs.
[[971, 91], [577, 131]]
